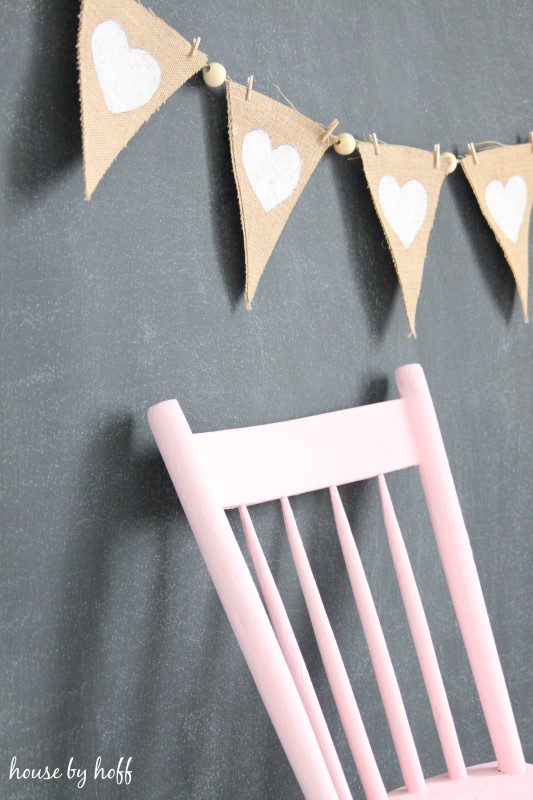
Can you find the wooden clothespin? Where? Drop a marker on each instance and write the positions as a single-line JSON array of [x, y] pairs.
[[436, 153], [195, 45], [472, 151], [374, 140], [249, 85], [329, 130]]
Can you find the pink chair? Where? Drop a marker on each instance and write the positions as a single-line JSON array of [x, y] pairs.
[[238, 468]]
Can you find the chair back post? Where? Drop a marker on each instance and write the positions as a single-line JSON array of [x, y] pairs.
[[460, 569], [240, 599]]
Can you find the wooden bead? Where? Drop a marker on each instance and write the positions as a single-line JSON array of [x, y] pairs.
[[214, 74], [346, 144], [451, 162]]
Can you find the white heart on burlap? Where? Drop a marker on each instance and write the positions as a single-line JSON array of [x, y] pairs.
[[273, 174], [128, 77], [507, 204], [405, 207]]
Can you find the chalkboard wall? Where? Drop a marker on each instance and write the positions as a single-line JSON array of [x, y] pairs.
[[114, 644]]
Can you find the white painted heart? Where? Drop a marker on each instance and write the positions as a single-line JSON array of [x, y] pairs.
[[404, 207], [507, 204], [129, 77], [273, 174]]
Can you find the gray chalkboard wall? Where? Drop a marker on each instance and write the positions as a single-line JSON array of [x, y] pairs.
[[113, 640]]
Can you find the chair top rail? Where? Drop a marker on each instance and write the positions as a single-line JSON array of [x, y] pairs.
[[257, 464]]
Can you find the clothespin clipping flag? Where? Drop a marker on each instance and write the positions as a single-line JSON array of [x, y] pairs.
[[130, 63], [502, 181], [405, 184], [274, 151]]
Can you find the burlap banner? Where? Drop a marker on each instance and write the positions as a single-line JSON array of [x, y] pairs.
[[130, 63], [405, 184], [274, 151], [502, 180]]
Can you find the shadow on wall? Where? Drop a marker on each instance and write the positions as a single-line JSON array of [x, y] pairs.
[[47, 130], [115, 487], [141, 688], [373, 266], [223, 201]]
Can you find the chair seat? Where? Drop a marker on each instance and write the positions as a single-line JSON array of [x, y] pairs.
[[484, 782]]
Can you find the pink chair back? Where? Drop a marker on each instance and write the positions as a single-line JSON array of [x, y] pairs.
[[213, 472]]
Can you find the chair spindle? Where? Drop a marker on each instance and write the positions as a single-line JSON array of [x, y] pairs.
[[422, 640], [293, 655], [336, 671], [379, 653]]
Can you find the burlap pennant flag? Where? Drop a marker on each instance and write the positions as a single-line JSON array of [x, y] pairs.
[[130, 63], [502, 180], [274, 151], [405, 184]]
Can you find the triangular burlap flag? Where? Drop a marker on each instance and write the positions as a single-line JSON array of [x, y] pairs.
[[405, 183], [274, 150], [130, 63], [502, 180]]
